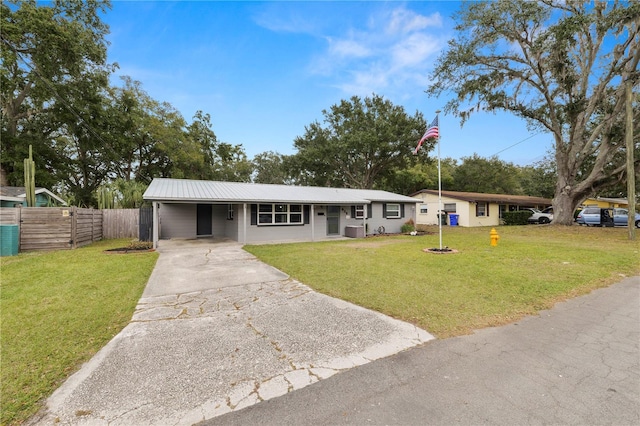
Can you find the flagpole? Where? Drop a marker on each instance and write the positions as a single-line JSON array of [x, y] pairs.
[[439, 184]]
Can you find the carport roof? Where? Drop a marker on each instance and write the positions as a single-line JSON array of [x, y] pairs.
[[203, 191]]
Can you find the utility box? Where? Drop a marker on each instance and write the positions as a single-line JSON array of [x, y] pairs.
[[9, 240], [352, 231]]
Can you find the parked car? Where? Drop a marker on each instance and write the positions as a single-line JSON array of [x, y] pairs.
[[599, 216], [539, 217]]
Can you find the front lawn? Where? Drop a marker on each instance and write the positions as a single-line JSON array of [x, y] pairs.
[[532, 268], [58, 309]]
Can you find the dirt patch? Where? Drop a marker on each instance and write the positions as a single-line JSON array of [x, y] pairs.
[[445, 250]]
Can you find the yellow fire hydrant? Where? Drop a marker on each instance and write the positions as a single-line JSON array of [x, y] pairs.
[[494, 237]]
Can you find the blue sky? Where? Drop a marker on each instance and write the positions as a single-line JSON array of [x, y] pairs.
[[265, 70]]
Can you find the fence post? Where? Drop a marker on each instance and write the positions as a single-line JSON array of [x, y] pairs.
[[74, 226], [19, 228]]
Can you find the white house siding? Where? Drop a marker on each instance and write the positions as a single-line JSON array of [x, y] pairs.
[[492, 220], [177, 220], [465, 210], [432, 203]]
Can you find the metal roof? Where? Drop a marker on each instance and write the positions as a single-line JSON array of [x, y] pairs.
[[19, 193], [202, 191]]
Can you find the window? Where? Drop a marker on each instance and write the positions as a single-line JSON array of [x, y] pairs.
[[392, 211], [359, 210], [449, 207], [424, 209], [279, 214], [482, 209]]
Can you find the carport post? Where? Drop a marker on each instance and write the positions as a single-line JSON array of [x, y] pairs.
[[313, 225], [244, 223], [155, 224]]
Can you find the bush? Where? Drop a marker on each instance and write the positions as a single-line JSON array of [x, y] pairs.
[[409, 226], [516, 218], [140, 245]]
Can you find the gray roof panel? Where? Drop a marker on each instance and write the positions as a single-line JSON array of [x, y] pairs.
[[193, 191]]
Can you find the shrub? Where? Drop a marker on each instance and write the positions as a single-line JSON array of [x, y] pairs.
[[409, 226], [516, 218], [140, 245]]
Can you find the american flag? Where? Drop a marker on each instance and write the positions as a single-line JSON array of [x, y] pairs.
[[432, 132]]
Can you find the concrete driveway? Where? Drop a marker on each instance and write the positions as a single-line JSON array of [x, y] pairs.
[[216, 331], [575, 364]]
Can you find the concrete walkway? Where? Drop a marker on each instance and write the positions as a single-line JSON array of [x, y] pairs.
[[216, 331], [575, 364]]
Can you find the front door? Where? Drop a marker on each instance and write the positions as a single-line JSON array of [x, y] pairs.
[[204, 227], [333, 220]]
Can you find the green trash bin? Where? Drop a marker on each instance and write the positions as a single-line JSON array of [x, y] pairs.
[[9, 239], [443, 218]]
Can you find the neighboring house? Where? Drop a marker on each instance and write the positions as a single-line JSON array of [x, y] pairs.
[[606, 202], [250, 212], [472, 208], [16, 196]]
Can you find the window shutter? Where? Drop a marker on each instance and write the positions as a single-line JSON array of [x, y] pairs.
[[487, 207], [384, 210], [254, 214], [402, 210], [307, 211], [353, 212], [369, 210]]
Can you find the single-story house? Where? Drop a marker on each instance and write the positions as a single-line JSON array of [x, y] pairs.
[[16, 196], [471, 208], [251, 212], [605, 202]]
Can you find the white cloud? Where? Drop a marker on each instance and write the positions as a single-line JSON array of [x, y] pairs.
[[391, 52], [405, 21], [381, 49], [414, 50], [348, 48]]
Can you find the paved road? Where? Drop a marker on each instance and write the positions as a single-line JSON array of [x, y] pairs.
[[576, 364]]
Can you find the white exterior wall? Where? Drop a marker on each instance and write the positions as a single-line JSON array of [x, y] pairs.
[[465, 210], [431, 217], [492, 220]]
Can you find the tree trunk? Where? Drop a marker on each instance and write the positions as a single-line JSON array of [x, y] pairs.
[[564, 204]]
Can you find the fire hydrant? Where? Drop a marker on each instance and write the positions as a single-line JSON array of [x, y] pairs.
[[494, 237]]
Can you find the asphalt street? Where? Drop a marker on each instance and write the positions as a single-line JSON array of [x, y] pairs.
[[575, 364]]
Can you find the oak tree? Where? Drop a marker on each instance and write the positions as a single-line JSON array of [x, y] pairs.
[[562, 66], [361, 143]]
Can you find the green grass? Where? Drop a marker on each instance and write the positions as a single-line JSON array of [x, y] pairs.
[[58, 309], [532, 268]]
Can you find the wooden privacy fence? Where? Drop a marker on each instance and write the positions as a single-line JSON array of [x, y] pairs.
[[120, 223], [54, 228]]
